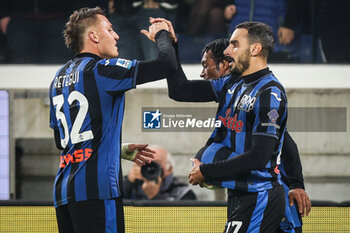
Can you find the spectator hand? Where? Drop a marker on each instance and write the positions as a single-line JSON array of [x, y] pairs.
[[285, 35], [3, 24], [153, 29], [144, 154], [111, 8], [230, 11], [302, 199], [151, 188], [196, 177], [170, 26]]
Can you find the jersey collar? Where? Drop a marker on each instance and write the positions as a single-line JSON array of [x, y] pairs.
[[255, 76], [88, 55]]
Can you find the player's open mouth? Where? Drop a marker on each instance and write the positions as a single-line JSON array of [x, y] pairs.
[[231, 60]]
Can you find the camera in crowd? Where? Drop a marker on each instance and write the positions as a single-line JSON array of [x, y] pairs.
[[152, 171]]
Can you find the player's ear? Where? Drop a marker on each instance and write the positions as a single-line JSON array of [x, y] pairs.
[[93, 36], [225, 66], [255, 49]]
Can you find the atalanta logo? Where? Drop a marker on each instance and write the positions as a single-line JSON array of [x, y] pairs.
[[273, 115]]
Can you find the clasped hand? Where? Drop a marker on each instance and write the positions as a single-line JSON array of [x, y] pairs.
[[153, 29], [196, 177]]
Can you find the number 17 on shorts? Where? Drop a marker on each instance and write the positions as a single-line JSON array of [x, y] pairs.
[[233, 227]]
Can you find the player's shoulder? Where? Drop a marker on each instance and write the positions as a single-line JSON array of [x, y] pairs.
[[270, 82], [117, 62], [226, 79]]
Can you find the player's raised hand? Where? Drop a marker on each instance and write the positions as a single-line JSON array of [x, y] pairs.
[[153, 29], [302, 199], [196, 177], [170, 25], [144, 154]]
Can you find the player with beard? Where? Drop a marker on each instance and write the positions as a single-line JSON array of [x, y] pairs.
[[243, 154], [214, 65]]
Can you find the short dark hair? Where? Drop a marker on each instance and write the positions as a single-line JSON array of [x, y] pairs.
[[217, 48], [260, 33], [78, 22]]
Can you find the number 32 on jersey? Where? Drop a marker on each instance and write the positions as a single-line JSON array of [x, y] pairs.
[[75, 136]]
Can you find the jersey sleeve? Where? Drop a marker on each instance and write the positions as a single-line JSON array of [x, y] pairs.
[[118, 74], [270, 113], [53, 119], [217, 85]]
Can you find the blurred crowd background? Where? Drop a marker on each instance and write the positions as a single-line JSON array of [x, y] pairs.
[[306, 31]]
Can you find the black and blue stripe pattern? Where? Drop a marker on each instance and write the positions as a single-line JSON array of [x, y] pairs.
[[247, 108], [90, 91]]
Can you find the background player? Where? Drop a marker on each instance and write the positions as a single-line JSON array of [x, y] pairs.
[[86, 113]]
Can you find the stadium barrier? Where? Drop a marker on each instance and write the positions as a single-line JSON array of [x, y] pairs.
[[164, 217]]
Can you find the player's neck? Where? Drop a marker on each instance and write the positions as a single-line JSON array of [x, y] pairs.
[[255, 65], [91, 48]]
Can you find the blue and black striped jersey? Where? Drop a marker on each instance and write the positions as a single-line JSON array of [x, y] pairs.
[[255, 105], [87, 107]]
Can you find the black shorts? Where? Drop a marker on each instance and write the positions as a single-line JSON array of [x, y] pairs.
[[255, 212], [95, 216]]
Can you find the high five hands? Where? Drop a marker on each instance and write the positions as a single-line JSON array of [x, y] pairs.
[[159, 24], [153, 29]]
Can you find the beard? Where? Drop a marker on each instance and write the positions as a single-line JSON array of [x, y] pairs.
[[242, 63]]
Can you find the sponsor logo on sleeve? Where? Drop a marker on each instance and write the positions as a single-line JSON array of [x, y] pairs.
[[123, 63]]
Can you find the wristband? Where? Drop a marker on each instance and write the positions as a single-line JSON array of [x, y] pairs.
[[126, 154], [210, 186]]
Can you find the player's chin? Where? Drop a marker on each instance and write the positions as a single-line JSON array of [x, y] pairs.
[[116, 53]]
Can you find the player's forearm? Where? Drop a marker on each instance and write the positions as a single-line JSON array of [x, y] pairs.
[[254, 159], [191, 91], [184, 90], [164, 65], [292, 163]]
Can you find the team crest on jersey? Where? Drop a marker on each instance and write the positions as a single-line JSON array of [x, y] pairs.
[[124, 63], [273, 115], [152, 119], [246, 104]]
